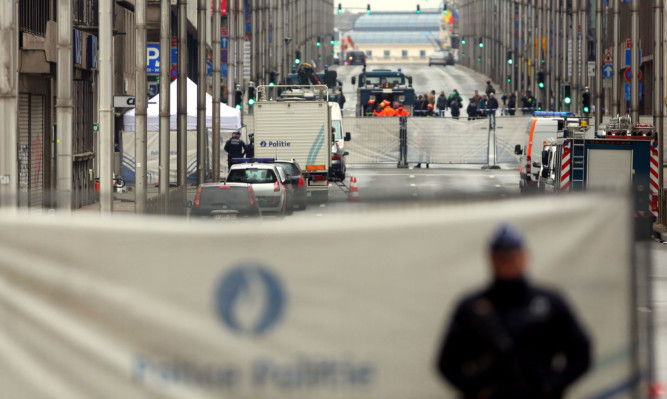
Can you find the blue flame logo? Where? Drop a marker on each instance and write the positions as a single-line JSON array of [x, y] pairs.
[[250, 299]]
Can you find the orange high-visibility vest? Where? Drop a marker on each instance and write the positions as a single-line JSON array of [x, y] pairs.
[[400, 111], [388, 111]]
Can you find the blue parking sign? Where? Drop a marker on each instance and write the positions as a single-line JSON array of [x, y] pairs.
[[153, 58], [628, 92]]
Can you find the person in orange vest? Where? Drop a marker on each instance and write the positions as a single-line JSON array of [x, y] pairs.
[[399, 110], [388, 110], [378, 110]]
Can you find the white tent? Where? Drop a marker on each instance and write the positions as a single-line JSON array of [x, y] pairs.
[[230, 118]]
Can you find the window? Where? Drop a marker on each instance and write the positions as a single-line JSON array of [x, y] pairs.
[[369, 53], [387, 53], [422, 53], [404, 53]]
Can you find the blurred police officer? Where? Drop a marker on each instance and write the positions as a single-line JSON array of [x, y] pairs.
[[513, 339], [235, 148], [250, 147]]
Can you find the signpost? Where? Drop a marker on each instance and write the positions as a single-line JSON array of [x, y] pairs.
[[608, 71], [123, 101]]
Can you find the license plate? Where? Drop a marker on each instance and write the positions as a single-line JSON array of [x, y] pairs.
[[225, 216]]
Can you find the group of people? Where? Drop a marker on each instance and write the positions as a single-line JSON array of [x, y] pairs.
[[429, 105], [385, 108], [237, 148]]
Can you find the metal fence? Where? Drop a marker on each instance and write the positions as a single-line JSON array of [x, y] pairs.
[[447, 141], [374, 140], [173, 206], [33, 16]]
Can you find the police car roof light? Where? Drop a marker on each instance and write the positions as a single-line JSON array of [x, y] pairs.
[[550, 113], [253, 160]]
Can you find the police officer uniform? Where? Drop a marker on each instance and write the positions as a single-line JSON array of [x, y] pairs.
[[235, 148], [503, 340]]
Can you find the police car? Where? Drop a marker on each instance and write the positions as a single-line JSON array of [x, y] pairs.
[[268, 181]]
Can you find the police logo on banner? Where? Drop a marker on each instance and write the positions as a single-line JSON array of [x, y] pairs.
[[250, 299]]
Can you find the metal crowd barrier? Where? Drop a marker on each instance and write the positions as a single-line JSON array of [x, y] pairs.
[[174, 205]]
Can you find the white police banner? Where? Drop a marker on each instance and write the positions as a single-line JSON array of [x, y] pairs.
[[342, 306]]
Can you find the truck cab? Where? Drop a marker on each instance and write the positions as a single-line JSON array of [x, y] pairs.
[[378, 85]]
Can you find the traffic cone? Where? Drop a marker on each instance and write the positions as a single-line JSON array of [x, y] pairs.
[[354, 191]]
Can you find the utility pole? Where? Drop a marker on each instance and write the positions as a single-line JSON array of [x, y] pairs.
[[201, 92], [615, 99], [141, 103], [64, 109], [634, 26], [182, 97], [658, 107], [583, 58], [231, 56], [241, 48], [574, 105], [165, 19], [598, 64], [106, 111], [9, 54], [215, 140]]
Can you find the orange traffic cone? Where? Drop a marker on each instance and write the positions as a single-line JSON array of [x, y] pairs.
[[354, 191]]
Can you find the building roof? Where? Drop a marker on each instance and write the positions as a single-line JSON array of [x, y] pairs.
[[395, 21], [387, 37]]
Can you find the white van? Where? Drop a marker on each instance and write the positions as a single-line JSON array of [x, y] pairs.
[[538, 131], [338, 153]]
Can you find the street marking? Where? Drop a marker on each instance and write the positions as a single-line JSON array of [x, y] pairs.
[[412, 176], [492, 176], [498, 185], [413, 185], [323, 205]]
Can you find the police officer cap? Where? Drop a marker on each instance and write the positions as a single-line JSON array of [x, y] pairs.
[[506, 238], [251, 135], [236, 132]]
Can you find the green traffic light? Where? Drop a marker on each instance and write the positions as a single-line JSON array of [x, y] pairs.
[[463, 54], [510, 61], [479, 59], [481, 45], [586, 109], [567, 100], [509, 80], [251, 101], [297, 61], [340, 11], [272, 84], [463, 41], [368, 12], [541, 85], [319, 44], [239, 106]]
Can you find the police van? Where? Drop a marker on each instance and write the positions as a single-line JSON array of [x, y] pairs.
[[294, 122]]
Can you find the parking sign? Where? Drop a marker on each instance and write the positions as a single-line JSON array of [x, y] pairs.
[[153, 58]]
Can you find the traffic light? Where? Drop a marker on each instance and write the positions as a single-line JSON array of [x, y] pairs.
[[319, 41], [368, 9], [340, 8], [510, 61], [238, 98], [297, 59], [540, 80], [251, 94], [418, 10], [273, 78], [333, 40], [509, 78], [481, 42], [463, 40], [567, 96], [444, 9], [586, 102]]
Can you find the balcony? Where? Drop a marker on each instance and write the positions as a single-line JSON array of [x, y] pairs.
[[33, 16]]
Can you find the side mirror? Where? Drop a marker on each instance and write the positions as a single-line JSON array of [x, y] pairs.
[[187, 204], [545, 157], [354, 80], [517, 149], [546, 172], [348, 136], [536, 165], [346, 153]]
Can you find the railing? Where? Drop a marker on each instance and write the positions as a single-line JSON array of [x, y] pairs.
[[173, 206], [33, 16], [85, 12]]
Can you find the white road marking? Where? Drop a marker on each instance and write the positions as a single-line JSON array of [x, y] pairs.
[[323, 205], [498, 185], [413, 185], [412, 176]]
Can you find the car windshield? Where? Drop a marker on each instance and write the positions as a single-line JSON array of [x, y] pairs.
[[218, 195], [251, 176], [439, 55], [337, 130], [290, 169]]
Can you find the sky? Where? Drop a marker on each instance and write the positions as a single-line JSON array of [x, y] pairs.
[[387, 5]]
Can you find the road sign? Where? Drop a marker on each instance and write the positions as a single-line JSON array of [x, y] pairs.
[[224, 31], [628, 43], [123, 102], [591, 68], [153, 58], [608, 71], [224, 42], [209, 68], [628, 92], [628, 75], [174, 72], [608, 59], [607, 84], [223, 56], [96, 127], [223, 70]]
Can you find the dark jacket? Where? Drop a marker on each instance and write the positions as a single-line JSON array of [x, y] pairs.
[[489, 90], [235, 148], [472, 109], [250, 150], [502, 341], [455, 107], [442, 102], [492, 104]]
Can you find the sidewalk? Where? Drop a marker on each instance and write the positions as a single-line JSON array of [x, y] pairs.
[[124, 202]]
